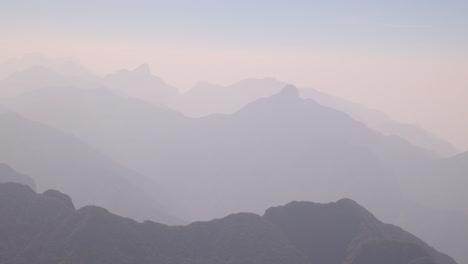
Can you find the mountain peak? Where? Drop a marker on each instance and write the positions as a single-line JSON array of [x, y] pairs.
[[143, 69], [67, 201], [289, 91]]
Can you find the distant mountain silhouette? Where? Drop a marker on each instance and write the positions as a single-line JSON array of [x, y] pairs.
[[204, 99], [65, 66], [129, 130], [60, 161], [242, 150], [46, 228], [142, 84], [7, 174], [37, 77], [272, 151], [383, 123], [138, 83]]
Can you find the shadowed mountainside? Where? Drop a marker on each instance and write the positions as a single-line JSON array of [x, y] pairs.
[[46, 228]]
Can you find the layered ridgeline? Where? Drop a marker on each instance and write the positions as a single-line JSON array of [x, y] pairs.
[[274, 150], [140, 83], [46, 228], [61, 161], [205, 99], [137, 83], [8, 174]]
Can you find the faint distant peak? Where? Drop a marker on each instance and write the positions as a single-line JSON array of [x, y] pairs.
[[289, 92], [143, 69]]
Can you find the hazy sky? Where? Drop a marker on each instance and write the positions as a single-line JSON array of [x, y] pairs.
[[407, 58]]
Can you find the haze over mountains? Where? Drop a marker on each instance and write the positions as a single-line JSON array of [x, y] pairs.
[[233, 132], [152, 140], [203, 99], [134, 145], [61, 161], [46, 228], [444, 179]]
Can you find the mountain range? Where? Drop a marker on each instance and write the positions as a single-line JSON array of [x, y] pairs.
[[242, 149], [203, 99], [46, 228], [272, 147]]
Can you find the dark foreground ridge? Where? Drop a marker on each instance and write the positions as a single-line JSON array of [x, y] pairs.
[[46, 228]]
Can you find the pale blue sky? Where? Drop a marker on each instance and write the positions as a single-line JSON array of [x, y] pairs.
[[384, 26]]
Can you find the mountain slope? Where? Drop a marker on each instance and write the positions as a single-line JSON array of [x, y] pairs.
[[204, 99], [274, 150], [46, 228], [285, 143], [130, 131], [60, 161], [327, 233], [382, 122], [244, 148], [141, 84], [66, 66], [37, 77], [7, 174]]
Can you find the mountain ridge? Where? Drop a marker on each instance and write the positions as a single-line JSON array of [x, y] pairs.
[[61, 161], [52, 232]]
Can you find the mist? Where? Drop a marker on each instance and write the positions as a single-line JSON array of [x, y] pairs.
[[210, 132]]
